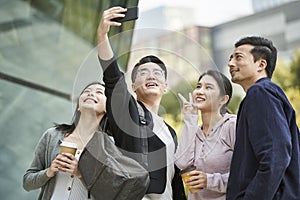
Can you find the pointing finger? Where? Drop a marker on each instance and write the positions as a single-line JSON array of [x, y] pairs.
[[190, 98], [182, 98]]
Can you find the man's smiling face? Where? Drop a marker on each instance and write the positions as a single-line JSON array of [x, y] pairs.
[[150, 80]]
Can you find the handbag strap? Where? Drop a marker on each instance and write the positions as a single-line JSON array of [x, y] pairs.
[[143, 135], [104, 125]]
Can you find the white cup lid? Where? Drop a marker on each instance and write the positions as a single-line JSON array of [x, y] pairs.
[[69, 144]]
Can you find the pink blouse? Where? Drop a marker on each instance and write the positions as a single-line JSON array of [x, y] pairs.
[[210, 154]]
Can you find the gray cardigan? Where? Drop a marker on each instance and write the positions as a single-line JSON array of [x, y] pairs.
[[46, 150]]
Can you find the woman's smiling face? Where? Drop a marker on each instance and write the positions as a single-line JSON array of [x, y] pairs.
[[206, 95], [93, 97]]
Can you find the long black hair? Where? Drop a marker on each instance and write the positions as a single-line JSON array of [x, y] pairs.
[[223, 84], [67, 129]]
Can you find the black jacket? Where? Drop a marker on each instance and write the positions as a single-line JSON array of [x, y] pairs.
[[125, 125]]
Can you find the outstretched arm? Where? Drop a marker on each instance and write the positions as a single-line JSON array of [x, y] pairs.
[[119, 100], [104, 49]]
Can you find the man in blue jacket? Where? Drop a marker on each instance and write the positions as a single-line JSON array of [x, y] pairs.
[[266, 159]]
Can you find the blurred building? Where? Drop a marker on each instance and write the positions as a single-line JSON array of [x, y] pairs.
[[164, 17], [186, 52], [280, 21], [281, 24], [170, 33], [259, 5]]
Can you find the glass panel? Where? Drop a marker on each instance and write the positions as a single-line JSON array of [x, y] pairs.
[[43, 49]]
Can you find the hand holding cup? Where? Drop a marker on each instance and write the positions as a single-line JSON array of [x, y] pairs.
[[194, 180], [60, 161]]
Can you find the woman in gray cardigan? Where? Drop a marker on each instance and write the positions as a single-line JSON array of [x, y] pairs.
[[57, 174]]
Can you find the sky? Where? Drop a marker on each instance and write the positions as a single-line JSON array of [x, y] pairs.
[[208, 12]]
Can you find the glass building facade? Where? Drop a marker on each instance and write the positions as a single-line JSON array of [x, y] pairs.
[[44, 46]]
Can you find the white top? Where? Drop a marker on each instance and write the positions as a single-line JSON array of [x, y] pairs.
[[69, 187], [162, 131]]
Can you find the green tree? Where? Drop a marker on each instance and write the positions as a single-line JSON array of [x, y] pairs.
[[234, 103], [295, 70], [283, 76], [288, 77]]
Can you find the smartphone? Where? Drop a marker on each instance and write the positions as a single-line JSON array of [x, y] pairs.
[[130, 14]]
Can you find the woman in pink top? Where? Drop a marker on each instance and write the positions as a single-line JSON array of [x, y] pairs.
[[208, 146]]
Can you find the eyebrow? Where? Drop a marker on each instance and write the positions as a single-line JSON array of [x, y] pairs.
[[101, 89], [235, 54], [238, 53], [205, 83], [154, 69], [209, 84]]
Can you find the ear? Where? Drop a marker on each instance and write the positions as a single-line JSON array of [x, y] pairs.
[[133, 86], [262, 65], [165, 87], [225, 99]]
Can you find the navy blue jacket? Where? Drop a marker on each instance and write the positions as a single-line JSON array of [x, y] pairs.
[[266, 159], [124, 124]]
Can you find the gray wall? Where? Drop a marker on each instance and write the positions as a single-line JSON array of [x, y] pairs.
[[280, 24]]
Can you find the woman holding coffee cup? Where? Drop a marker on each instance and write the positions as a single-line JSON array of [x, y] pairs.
[[54, 168], [204, 152]]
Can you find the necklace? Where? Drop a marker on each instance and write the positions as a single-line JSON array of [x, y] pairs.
[[84, 142]]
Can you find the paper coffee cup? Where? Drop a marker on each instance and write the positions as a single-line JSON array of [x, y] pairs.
[[184, 175], [68, 147]]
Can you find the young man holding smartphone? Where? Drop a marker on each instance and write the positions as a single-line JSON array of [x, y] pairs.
[[154, 149]]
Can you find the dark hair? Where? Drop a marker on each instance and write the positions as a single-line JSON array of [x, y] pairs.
[[263, 49], [67, 129], [223, 84], [148, 59]]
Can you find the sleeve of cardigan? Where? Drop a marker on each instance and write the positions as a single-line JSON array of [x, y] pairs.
[[185, 154], [35, 177], [270, 139]]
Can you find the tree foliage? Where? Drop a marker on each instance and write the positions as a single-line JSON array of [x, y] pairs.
[[234, 103], [288, 77], [295, 71], [283, 76]]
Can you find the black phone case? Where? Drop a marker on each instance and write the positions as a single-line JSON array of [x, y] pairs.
[[131, 14]]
